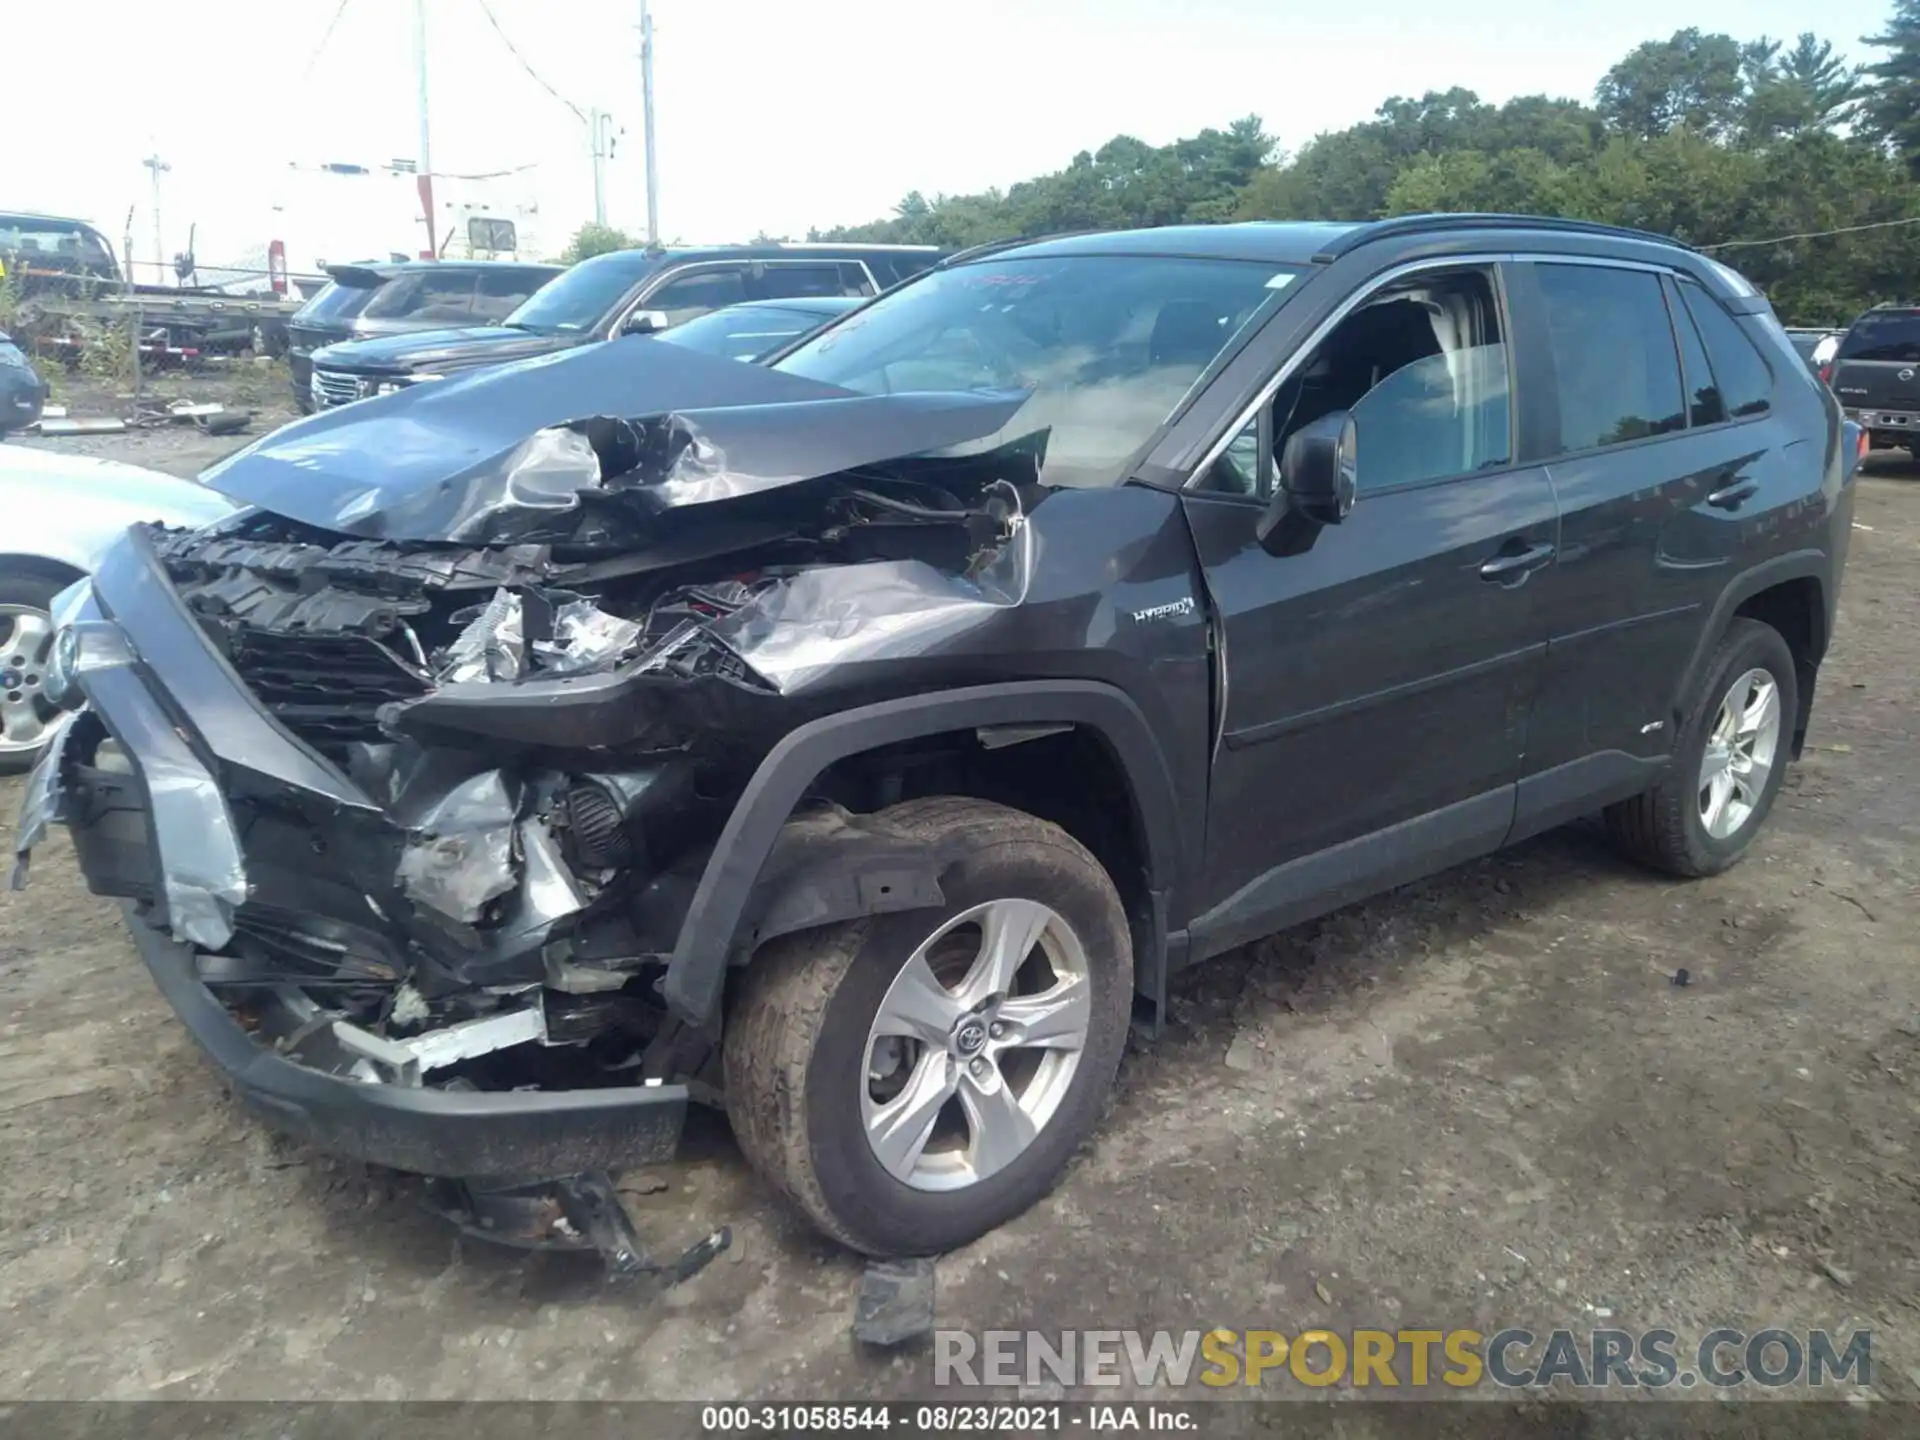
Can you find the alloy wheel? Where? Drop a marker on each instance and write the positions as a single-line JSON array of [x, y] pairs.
[[26, 638], [976, 1044], [1740, 753]]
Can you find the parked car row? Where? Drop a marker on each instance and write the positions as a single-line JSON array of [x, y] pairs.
[[627, 292], [378, 299]]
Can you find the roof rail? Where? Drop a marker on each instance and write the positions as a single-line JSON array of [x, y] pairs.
[[1366, 234], [993, 247]]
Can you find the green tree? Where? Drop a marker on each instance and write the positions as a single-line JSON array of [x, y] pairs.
[[1689, 79], [1892, 109], [1727, 144], [591, 240]]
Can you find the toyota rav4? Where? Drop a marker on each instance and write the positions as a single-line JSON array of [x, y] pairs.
[[859, 742]]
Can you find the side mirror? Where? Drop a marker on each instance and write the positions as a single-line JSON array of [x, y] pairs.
[[1317, 472], [646, 322]]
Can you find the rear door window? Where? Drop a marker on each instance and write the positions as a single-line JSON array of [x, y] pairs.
[[1613, 355], [1704, 404], [696, 294], [1892, 336], [778, 281], [432, 296], [1746, 385]]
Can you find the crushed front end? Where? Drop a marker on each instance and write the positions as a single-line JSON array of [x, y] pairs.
[[407, 830]]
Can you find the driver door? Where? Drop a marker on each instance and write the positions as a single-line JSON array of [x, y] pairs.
[[1376, 687]]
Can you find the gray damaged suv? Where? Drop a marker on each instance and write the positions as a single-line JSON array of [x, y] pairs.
[[860, 740]]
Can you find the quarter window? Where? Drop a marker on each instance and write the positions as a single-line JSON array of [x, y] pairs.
[[1704, 405], [1745, 382], [1613, 355]]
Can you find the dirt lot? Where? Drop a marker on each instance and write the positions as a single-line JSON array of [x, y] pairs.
[[1479, 1101]]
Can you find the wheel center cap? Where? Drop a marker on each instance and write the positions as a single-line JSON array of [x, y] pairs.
[[969, 1037]]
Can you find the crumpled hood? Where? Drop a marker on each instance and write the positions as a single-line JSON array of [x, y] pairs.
[[583, 447], [430, 349]]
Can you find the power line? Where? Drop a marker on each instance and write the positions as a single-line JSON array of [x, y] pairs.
[[1810, 235], [487, 10], [314, 58]]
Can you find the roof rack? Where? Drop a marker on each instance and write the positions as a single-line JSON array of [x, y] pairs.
[[1366, 234]]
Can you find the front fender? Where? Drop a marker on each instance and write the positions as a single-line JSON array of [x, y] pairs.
[[721, 902]]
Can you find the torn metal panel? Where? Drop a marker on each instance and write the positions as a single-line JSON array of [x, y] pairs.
[[493, 646], [795, 632], [460, 856], [587, 638], [408, 1060], [45, 802]]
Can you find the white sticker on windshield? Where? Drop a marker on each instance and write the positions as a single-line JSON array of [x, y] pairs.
[[1281, 281]]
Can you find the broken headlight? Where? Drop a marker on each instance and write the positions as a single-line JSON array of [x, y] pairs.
[[79, 648]]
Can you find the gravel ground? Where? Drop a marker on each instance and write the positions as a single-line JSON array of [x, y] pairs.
[[1478, 1101]]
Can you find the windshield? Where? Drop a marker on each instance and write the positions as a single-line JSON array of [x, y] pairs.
[[55, 245], [581, 298], [746, 332], [1889, 337], [1107, 345]]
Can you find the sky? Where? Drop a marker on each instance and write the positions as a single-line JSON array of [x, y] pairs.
[[770, 115]]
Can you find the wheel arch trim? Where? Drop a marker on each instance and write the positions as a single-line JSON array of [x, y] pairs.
[[1811, 565], [696, 974]]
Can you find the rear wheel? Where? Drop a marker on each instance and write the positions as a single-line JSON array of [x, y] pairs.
[[913, 1080], [26, 643], [1728, 765]]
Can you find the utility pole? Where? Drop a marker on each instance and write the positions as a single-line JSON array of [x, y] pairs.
[[156, 166], [425, 180], [597, 122], [646, 101]]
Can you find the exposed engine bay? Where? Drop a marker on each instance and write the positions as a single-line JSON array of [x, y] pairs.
[[552, 734]]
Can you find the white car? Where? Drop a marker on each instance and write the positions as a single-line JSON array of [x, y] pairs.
[[78, 505]]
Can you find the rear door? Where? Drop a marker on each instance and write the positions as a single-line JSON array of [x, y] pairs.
[[1662, 460], [1877, 372]]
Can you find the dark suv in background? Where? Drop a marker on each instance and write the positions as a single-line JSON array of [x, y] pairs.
[[627, 292], [859, 741], [1876, 375], [377, 298]]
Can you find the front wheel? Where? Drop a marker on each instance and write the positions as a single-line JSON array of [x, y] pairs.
[[1728, 764], [913, 1080]]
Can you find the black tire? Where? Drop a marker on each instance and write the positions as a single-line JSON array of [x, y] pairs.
[[35, 590], [1663, 827], [796, 1036]]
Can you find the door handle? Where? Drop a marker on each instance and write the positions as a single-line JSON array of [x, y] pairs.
[[1515, 567], [1732, 497]]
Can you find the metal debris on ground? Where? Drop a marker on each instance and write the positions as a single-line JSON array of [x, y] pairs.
[[576, 1213], [895, 1305]]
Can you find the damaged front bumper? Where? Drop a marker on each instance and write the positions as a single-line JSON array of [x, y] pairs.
[[156, 828], [419, 1128]]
